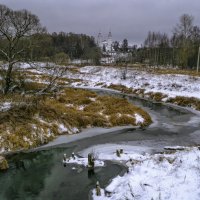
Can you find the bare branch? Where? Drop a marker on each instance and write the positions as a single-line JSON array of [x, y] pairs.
[[4, 53]]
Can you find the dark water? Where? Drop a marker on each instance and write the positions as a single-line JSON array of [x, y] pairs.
[[41, 175]]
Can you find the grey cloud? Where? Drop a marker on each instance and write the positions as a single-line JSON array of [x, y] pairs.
[[130, 19]]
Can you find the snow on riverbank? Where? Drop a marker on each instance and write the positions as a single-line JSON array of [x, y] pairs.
[[108, 152], [82, 161], [160, 176], [170, 84]]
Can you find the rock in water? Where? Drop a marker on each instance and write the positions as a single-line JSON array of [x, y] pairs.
[[3, 163]]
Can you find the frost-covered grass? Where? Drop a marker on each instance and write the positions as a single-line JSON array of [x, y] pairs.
[[161, 176]]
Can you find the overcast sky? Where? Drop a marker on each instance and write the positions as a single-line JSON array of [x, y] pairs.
[[131, 19]]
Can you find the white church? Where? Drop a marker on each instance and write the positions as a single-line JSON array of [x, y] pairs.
[[106, 44]]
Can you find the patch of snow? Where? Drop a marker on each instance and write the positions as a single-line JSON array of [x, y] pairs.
[[27, 140], [81, 107], [83, 161], [75, 130], [70, 105], [138, 119], [70, 130], [5, 106], [92, 99], [62, 128], [49, 133]]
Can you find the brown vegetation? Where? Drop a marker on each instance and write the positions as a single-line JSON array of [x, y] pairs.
[[32, 121], [186, 102]]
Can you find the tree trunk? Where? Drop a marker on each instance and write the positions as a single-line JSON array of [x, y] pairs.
[[8, 78]]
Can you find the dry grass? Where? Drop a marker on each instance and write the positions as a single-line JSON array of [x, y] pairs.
[[33, 86], [32, 121], [186, 102], [121, 88], [156, 96]]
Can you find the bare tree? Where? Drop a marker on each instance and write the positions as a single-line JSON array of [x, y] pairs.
[[15, 28], [185, 26], [54, 73], [183, 32]]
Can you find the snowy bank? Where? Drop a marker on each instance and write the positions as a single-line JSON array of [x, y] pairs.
[[108, 152], [82, 161], [160, 176]]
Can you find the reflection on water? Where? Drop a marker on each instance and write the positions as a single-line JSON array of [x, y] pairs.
[[41, 175]]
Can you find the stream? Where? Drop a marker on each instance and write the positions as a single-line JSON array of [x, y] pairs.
[[40, 174]]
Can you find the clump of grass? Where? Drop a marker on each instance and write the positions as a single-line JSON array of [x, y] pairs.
[[121, 120], [156, 96], [77, 96], [121, 88], [35, 86], [186, 102], [94, 107]]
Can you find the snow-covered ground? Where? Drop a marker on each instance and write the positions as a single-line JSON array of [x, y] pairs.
[[170, 84], [169, 176]]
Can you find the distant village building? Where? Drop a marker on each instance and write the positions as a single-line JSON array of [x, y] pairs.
[[106, 45]]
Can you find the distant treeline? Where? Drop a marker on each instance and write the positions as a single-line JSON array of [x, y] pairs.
[[181, 49], [45, 46]]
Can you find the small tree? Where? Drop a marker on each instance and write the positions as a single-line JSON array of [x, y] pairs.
[[125, 45], [15, 29]]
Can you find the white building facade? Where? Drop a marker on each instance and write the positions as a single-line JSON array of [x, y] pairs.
[[106, 45]]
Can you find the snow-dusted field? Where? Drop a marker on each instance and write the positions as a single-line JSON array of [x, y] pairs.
[[159, 177], [170, 84]]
